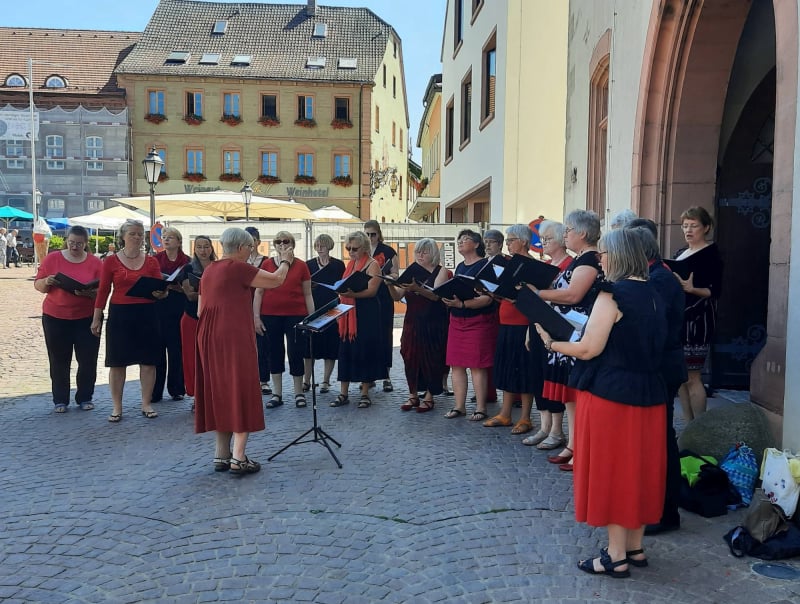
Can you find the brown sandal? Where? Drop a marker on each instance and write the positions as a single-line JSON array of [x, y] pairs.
[[413, 402], [427, 405]]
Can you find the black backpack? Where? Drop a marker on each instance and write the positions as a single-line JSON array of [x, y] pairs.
[[711, 494]]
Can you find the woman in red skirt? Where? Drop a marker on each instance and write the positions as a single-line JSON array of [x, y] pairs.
[[620, 448]]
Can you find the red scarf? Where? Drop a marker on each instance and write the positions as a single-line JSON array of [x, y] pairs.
[[348, 324]]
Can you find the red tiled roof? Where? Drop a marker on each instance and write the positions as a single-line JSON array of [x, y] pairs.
[[85, 58]]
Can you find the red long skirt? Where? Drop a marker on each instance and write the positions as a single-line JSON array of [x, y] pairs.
[[188, 347], [620, 462]]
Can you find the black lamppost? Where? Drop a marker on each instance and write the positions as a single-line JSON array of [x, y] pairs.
[[152, 170], [247, 197]]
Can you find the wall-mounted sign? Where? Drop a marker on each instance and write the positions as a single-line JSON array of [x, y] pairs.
[[296, 192], [16, 125]]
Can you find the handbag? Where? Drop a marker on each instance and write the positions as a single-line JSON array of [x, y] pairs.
[[741, 466], [711, 492], [780, 479], [764, 519]]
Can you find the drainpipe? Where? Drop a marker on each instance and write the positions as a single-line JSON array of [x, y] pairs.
[[360, 147]]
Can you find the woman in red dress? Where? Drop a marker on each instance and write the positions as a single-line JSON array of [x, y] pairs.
[[228, 395]]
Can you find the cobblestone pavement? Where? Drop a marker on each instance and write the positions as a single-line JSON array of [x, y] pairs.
[[424, 510]]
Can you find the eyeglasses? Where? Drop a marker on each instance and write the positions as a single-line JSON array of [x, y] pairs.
[[568, 229], [351, 249], [76, 243], [283, 241], [371, 235]]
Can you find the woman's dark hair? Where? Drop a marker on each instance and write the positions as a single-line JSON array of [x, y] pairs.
[[374, 224], [78, 231], [481, 249], [646, 223], [698, 213]]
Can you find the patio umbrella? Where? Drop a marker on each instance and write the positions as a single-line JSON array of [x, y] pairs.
[[227, 204], [9, 213], [334, 214], [110, 219]]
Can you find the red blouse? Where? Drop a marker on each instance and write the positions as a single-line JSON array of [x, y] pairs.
[[123, 279]]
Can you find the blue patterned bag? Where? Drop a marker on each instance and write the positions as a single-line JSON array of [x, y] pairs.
[[741, 466]]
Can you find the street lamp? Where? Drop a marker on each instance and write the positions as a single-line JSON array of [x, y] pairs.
[[152, 170], [247, 197]]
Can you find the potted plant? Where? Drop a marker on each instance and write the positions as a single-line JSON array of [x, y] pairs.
[[230, 177], [230, 119], [193, 119], [342, 181], [194, 176], [155, 118], [269, 120], [341, 124], [302, 179], [162, 177], [268, 179], [305, 122], [420, 185]]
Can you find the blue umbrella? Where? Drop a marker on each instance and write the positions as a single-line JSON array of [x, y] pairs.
[[58, 223]]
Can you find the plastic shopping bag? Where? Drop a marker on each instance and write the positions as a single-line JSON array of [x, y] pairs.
[[780, 479], [741, 466]]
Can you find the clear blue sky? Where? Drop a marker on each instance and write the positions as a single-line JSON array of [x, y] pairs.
[[418, 22]]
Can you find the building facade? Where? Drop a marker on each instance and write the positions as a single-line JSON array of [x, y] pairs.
[[504, 84], [80, 122], [429, 139], [304, 102], [680, 103]]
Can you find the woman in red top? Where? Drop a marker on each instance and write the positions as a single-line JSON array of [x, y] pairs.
[[66, 317], [277, 314], [518, 370], [133, 331]]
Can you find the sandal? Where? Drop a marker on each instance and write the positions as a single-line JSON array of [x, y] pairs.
[[364, 402], [86, 406], [265, 389], [299, 400], [639, 563], [245, 466], [324, 388], [453, 413], [523, 426], [306, 386], [150, 414], [478, 416], [609, 567], [387, 386], [115, 418], [427, 405], [222, 464], [535, 439], [561, 459], [413, 401], [60, 408], [275, 401], [551, 442], [498, 421], [340, 401]]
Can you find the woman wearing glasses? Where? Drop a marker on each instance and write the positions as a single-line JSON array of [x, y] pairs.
[[228, 397], [66, 318], [276, 315], [361, 357], [386, 258]]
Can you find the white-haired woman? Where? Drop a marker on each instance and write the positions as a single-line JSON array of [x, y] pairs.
[[228, 397]]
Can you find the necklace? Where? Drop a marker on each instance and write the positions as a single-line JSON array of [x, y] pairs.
[[139, 251]]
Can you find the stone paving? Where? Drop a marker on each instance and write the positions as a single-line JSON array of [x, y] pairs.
[[424, 510]]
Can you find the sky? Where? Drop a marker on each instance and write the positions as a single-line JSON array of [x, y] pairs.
[[419, 24]]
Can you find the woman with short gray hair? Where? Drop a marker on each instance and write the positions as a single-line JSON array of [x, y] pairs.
[[228, 395]]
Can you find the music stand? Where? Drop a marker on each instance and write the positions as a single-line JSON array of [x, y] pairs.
[[315, 323]]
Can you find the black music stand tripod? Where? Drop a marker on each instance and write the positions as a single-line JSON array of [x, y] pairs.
[[311, 324]]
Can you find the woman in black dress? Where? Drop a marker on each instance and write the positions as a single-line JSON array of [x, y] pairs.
[[386, 258]]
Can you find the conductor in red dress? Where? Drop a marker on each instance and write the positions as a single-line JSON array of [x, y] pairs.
[[228, 396]]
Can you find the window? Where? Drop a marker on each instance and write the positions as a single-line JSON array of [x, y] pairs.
[[384, 76], [377, 119], [162, 153], [220, 27], [341, 164], [401, 139], [55, 204], [394, 47], [394, 87], [458, 24], [347, 63], [269, 106], [15, 148], [269, 163], [231, 162], [155, 102], [230, 104], [466, 108], [394, 134], [194, 103], [16, 81], [209, 58], [449, 123], [598, 138], [94, 151], [320, 30], [476, 6], [316, 62], [178, 57], [400, 188], [95, 205], [54, 147], [489, 79], [341, 108], [194, 161], [305, 164], [305, 107], [55, 82], [241, 60]]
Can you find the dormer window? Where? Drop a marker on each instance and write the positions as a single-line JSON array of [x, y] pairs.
[[16, 81], [220, 27], [55, 81]]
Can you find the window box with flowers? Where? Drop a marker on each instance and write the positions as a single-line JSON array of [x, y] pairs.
[[420, 185], [155, 118], [305, 122], [230, 177], [342, 181], [231, 120], [194, 176], [163, 177], [269, 121], [268, 179], [193, 119], [340, 124], [302, 179]]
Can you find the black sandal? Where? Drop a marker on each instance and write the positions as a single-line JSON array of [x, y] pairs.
[[478, 416], [341, 401], [222, 464], [265, 389], [275, 401], [453, 413], [151, 414], [246, 466], [299, 400], [364, 402], [638, 563], [609, 567]]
